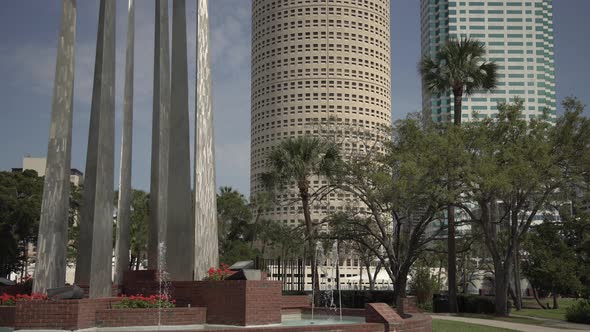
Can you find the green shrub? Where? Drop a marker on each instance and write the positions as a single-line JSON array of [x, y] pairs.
[[476, 304], [144, 302], [579, 312], [423, 286]]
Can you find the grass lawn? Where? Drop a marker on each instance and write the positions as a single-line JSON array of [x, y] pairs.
[[532, 309], [448, 326]]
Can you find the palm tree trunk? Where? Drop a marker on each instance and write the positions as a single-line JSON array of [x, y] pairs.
[[452, 250], [304, 193], [452, 259]]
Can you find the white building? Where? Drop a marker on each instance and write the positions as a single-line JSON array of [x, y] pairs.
[[39, 165]]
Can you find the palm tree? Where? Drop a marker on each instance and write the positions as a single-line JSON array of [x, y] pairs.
[[297, 160], [458, 67]]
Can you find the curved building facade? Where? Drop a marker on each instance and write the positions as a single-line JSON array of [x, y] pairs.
[[319, 67]]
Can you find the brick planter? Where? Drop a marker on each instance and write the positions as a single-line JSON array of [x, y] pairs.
[[382, 313], [295, 301], [59, 315], [150, 317], [7, 315], [239, 302]]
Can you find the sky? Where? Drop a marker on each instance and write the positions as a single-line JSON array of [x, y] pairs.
[[28, 41]]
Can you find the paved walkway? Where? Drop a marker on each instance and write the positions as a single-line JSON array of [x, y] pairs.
[[511, 326], [558, 324]]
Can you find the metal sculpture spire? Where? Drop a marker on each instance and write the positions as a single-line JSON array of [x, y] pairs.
[[206, 246], [50, 267]]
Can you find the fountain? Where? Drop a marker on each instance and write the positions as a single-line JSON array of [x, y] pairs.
[[328, 267], [163, 279]]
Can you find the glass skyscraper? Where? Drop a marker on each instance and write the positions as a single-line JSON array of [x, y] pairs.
[[518, 36]]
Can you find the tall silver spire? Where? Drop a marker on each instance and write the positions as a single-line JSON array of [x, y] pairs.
[[94, 262], [160, 135], [50, 267], [124, 205], [206, 246]]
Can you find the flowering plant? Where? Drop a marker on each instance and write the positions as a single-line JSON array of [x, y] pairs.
[[140, 301], [10, 300], [220, 273]]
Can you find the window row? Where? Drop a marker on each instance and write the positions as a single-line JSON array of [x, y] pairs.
[[333, 12], [261, 6], [321, 73], [283, 112], [333, 85], [308, 61], [375, 29], [320, 36], [281, 99], [357, 50]]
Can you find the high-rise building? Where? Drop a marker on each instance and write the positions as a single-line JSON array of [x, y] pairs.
[[317, 65], [518, 35]]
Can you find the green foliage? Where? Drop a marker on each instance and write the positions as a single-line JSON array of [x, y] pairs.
[[138, 224], [423, 286], [144, 302], [20, 205], [359, 298], [579, 312], [550, 264], [476, 304], [238, 250]]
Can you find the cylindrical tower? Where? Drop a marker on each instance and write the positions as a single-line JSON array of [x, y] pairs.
[[316, 66]]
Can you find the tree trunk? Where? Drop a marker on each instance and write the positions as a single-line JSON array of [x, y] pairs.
[[555, 302], [303, 191], [517, 288], [501, 288], [399, 292], [458, 97], [536, 295], [361, 276], [452, 260]]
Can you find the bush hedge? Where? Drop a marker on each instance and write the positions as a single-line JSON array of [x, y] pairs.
[[474, 304], [358, 298], [579, 312]]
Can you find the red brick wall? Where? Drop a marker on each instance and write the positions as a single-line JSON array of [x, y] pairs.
[[150, 317], [181, 291], [7, 315], [296, 301], [410, 304], [384, 314], [63, 314], [15, 289], [239, 302]]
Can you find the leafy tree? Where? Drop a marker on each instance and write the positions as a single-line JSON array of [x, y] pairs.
[[20, 206], [138, 227], [237, 250], [297, 160], [400, 194], [516, 169], [234, 219], [459, 67], [550, 264]]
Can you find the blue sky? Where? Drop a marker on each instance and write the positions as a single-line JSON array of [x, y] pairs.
[[28, 32]]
